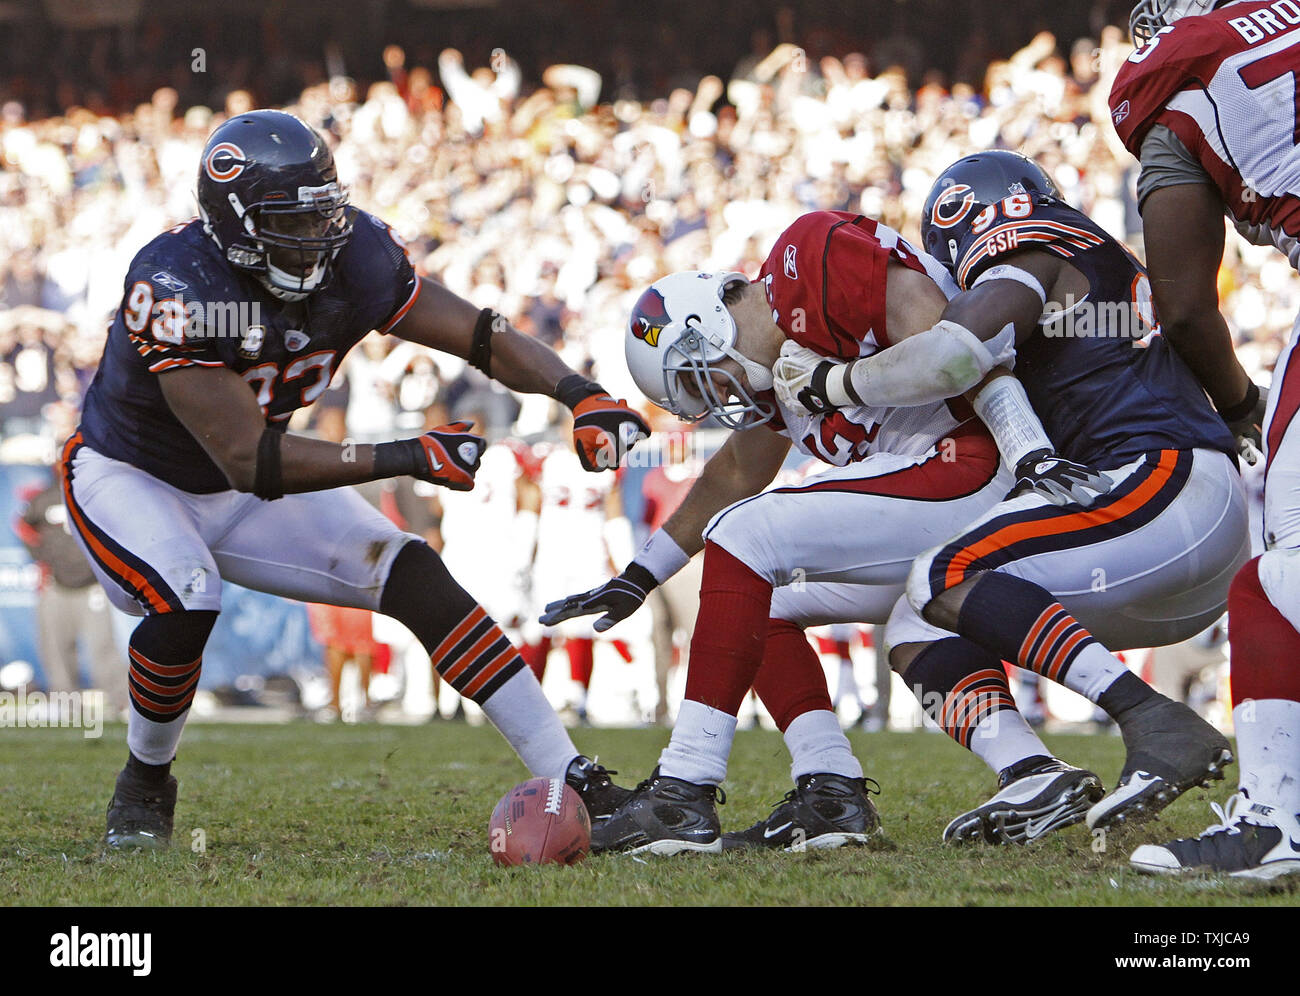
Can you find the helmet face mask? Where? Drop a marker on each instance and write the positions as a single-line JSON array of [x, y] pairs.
[[299, 241], [270, 198], [967, 188], [1149, 16], [679, 341]]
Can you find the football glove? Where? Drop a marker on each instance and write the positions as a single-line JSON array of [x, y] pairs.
[[1059, 480], [617, 598], [1248, 427], [447, 455], [799, 379], [604, 430]]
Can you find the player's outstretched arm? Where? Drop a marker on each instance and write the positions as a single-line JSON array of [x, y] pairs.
[[1183, 229], [603, 428], [217, 407], [745, 464], [976, 333]]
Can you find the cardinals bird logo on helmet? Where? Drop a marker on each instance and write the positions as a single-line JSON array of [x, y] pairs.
[[649, 316]]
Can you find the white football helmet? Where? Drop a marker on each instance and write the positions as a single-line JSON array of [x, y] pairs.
[[1150, 16], [678, 332]]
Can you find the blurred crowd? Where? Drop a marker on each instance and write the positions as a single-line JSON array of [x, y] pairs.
[[556, 198]]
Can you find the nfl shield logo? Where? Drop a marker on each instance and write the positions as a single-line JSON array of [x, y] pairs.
[[294, 340]]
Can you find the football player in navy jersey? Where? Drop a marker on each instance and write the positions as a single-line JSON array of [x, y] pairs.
[[1125, 528], [181, 474]]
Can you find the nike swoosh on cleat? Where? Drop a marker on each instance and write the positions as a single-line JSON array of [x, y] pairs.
[[1036, 828], [768, 834]]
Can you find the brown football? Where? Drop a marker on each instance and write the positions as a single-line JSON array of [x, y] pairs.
[[540, 821]]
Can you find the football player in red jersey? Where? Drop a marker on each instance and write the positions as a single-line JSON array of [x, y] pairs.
[[1209, 104], [181, 474], [836, 547]]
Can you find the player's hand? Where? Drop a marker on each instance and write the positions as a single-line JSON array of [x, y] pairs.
[[604, 430], [617, 598], [1059, 480], [451, 456], [1249, 429], [799, 379]]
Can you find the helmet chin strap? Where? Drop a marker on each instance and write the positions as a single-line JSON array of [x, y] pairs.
[[759, 376]]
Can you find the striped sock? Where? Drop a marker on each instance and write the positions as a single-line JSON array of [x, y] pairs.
[[964, 691], [166, 658], [1023, 623], [476, 658]]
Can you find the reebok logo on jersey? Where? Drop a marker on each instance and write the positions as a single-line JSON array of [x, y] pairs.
[[164, 279], [1120, 113], [791, 269]]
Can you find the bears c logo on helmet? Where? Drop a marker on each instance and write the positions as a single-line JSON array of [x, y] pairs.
[[952, 206], [225, 162], [649, 317]]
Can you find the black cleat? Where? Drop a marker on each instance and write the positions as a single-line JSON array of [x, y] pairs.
[[663, 816], [592, 783], [140, 815], [1170, 750], [822, 811], [1249, 841], [1036, 796]]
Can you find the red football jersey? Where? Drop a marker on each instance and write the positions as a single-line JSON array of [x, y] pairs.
[[1228, 85], [825, 281]]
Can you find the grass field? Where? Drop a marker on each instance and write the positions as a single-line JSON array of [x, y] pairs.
[[385, 815]]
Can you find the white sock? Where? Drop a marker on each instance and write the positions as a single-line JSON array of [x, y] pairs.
[[817, 744], [1094, 671], [520, 711], [153, 743], [700, 745], [1268, 745], [1005, 738]]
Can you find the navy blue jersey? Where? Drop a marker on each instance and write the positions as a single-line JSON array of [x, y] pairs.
[[1105, 389], [185, 306]]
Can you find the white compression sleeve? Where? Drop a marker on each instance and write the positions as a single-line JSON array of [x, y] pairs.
[[939, 363], [1005, 409]]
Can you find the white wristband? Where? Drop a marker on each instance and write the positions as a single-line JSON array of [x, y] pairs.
[[839, 386], [1004, 407], [661, 556]]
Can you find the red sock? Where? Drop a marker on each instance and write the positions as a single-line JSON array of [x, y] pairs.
[[622, 649], [1265, 647], [581, 660], [791, 681], [535, 654], [727, 647]]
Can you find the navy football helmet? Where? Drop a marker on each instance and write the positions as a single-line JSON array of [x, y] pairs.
[[970, 185], [269, 196]]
